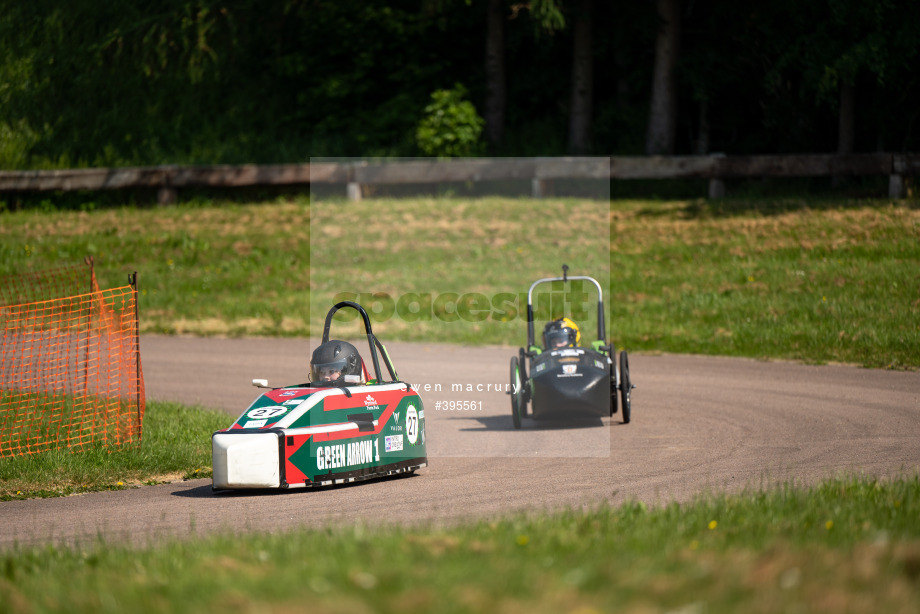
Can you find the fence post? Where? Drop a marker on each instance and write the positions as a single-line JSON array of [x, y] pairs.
[[717, 184], [895, 186], [538, 188], [353, 191], [93, 287], [132, 281], [167, 195]]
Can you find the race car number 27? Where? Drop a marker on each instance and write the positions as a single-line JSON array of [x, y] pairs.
[[412, 424], [266, 412]]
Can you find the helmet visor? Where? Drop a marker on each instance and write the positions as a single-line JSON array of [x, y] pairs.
[[328, 372], [558, 338]]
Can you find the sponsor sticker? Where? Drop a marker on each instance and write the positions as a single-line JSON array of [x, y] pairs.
[[569, 371], [598, 364], [540, 367], [254, 424], [569, 352], [393, 443]]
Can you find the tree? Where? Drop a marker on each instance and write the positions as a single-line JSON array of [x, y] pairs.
[[551, 16], [496, 88], [839, 50], [662, 122], [582, 99]]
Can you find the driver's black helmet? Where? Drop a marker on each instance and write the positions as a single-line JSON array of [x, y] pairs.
[[333, 360], [561, 333]]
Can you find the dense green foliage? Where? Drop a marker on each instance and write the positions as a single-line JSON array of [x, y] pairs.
[[850, 544], [450, 127], [99, 82]]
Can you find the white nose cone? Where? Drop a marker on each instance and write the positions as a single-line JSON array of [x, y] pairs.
[[246, 460]]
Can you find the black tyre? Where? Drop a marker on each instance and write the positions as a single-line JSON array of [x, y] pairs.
[[516, 392], [612, 354], [625, 387], [525, 383]]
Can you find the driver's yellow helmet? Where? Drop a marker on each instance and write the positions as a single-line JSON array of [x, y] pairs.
[[561, 333]]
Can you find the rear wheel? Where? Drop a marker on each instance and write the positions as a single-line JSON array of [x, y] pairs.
[[611, 355], [625, 387], [516, 393]]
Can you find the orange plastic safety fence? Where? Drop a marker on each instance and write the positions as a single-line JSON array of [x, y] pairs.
[[70, 373], [34, 286]]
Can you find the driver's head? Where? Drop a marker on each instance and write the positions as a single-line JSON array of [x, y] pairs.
[[561, 333], [328, 374], [333, 360]]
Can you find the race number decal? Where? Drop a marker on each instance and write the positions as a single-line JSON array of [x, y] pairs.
[[272, 411], [412, 424]]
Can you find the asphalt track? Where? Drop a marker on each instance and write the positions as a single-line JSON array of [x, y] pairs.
[[699, 424]]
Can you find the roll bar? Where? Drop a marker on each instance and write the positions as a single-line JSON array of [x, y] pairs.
[[601, 329], [372, 340]]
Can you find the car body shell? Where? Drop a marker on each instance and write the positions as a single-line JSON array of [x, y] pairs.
[[321, 434], [302, 436], [570, 383]]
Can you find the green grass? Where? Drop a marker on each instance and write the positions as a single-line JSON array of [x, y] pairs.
[[176, 444], [847, 545], [815, 281], [817, 285], [811, 280], [222, 269]]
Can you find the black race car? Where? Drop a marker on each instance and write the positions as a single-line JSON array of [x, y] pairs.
[[561, 380]]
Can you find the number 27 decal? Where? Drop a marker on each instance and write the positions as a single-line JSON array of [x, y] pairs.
[[267, 412], [412, 424]]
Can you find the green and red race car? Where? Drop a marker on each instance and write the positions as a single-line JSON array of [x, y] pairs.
[[325, 432]]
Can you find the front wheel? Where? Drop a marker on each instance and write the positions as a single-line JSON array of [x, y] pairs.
[[516, 393], [625, 387], [525, 382]]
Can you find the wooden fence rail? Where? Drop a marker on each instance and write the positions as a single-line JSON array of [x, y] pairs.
[[539, 171]]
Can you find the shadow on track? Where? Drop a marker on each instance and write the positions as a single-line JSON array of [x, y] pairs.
[[504, 423], [206, 492]]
